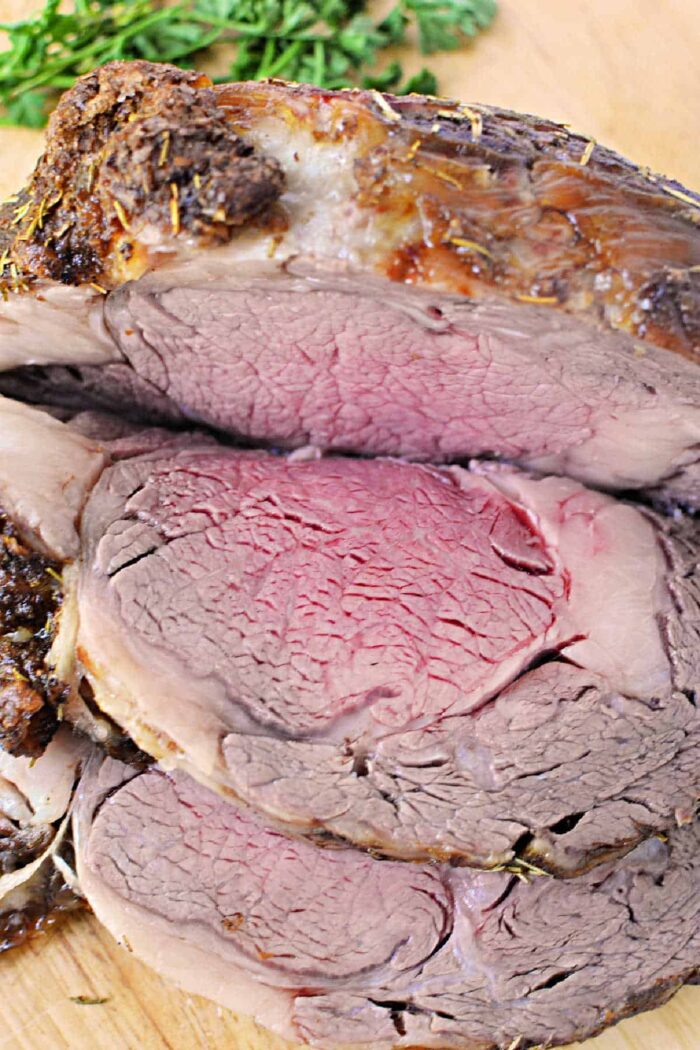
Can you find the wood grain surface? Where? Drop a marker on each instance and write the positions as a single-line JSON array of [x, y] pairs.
[[627, 73]]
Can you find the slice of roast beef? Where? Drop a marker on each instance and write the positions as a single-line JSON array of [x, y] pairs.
[[385, 276], [337, 948], [36, 882], [427, 661]]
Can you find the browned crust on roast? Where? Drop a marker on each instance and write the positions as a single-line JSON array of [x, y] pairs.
[[30, 601], [132, 145], [471, 200], [481, 201]]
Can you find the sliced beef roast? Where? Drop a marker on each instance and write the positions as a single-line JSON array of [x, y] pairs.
[[345, 662], [385, 276], [338, 948], [423, 660], [429, 661], [36, 881]]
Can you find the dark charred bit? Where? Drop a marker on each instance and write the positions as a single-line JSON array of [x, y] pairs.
[[30, 600], [132, 145], [670, 304], [20, 846], [50, 899], [123, 749], [197, 176]]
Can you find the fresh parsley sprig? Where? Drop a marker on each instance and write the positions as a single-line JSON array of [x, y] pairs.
[[332, 43]]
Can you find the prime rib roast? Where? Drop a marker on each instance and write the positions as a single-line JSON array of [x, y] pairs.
[[349, 459]]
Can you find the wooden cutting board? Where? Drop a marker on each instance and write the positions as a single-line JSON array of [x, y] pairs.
[[626, 72]]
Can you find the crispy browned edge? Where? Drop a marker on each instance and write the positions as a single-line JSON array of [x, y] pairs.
[[130, 139], [31, 596], [509, 205]]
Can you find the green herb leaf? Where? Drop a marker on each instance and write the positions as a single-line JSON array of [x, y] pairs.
[[28, 110], [444, 24], [332, 43], [423, 83], [387, 80]]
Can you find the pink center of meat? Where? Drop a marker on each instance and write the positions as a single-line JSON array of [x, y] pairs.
[[338, 593]]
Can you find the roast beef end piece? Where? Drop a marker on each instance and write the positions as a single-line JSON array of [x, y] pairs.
[[475, 200], [482, 202], [345, 948]]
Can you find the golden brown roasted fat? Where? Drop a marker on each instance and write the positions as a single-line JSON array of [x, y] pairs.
[[485, 202], [470, 200]]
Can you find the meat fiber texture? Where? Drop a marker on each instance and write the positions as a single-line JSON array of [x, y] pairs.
[[431, 662], [427, 661], [47, 468], [384, 276], [335, 947], [36, 882]]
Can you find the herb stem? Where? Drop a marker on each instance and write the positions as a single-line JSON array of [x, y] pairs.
[[289, 53], [92, 50], [319, 61]]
